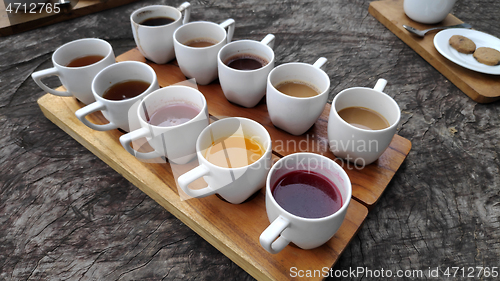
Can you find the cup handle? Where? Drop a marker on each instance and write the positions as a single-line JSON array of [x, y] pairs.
[[187, 14], [229, 23], [189, 177], [320, 62], [271, 238], [380, 85], [126, 139], [39, 75], [93, 107], [268, 40]]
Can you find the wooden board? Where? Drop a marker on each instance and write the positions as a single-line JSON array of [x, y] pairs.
[[482, 88], [12, 23], [368, 183], [232, 229]]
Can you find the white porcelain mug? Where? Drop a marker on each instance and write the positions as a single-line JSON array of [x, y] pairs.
[[156, 42], [117, 111], [76, 80], [245, 87], [306, 233], [296, 114], [362, 146], [177, 143], [201, 63], [428, 11], [235, 185]]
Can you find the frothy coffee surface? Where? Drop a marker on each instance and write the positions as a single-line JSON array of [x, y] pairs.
[[364, 118]]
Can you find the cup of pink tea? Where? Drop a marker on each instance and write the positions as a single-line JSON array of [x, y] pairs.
[[170, 119]]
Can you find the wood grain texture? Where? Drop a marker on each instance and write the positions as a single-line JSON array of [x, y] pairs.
[[480, 87], [233, 229], [368, 182], [67, 215]]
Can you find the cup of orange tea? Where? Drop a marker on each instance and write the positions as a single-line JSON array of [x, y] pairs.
[[234, 156]]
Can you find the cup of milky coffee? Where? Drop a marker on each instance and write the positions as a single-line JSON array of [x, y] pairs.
[[362, 123], [296, 95], [116, 89], [76, 63], [196, 46], [234, 156], [153, 27], [243, 69], [171, 119], [307, 196]]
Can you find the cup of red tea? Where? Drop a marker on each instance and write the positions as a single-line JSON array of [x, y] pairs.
[[116, 89], [196, 46], [362, 123], [171, 119], [153, 27], [243, 69], [307, 196], [76, 63]]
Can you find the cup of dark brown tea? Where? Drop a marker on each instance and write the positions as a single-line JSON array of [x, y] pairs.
[[116, 89], [307, 196], [76, 63], [153, 27], [171, 119], [362, 123], [243, 67], [296, 95]]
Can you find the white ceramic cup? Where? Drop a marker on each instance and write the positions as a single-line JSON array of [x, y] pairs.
[[362, 146], [428, 11], [177, 143], [293, 114], [306, 233], [76, 80], [156, 42], [201, 63], [245, 87], [235, 185], [116, 111]]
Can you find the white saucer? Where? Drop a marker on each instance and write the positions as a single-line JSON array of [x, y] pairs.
[[481, 39]]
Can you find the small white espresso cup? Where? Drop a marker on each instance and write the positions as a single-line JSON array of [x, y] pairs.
[[177, 143], [235, 185], [294, 114], [306, 233], [428, 11], [362, 146], [116, 111], [245, 87], [201, 63], [156, 42], [76, 80]]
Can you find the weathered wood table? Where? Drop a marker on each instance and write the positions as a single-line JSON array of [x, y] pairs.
[[65, 214]]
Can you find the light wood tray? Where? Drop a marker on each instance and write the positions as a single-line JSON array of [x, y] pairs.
[[480, 87], [233, 229], [12, 23]]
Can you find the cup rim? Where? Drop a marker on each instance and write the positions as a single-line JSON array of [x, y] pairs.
[[153, 7], [335, 112], [241, 42], [325, 92], [101, 98], [268, 149], [345, 204], [165, 89], [68, 44], [221, 42]]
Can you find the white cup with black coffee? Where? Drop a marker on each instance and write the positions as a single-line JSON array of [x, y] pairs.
[[362, 123]]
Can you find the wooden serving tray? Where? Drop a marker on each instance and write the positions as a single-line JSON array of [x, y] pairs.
[[480, 87], [12, 23], [233, 229]]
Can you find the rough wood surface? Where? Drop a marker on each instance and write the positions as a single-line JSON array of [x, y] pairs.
[[66, 215]]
